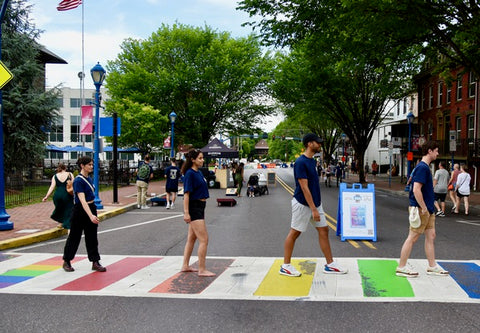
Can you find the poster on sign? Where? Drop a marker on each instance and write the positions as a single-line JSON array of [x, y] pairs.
[[356, 218]]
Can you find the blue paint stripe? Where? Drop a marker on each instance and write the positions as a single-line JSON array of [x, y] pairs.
[[466, 274], [13, 279]]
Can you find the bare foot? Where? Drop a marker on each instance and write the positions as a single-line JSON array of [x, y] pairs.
[[189, 269], [206, 273]]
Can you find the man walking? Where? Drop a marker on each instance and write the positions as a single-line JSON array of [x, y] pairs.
[[144, 174], [422, 196], [307, 207], [440, 184], [172, 174]]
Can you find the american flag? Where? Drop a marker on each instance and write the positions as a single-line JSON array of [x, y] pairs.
[[68, 4]]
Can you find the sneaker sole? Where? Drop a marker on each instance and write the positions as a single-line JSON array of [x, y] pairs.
[[333, 272], [438, 274], [406, 275], [291, 275]]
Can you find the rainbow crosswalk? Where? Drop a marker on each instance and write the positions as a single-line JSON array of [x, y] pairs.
[[248, 278]]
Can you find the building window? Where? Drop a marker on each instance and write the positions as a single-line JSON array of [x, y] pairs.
[[449, 94], [75, 136], [471, 85], [398, 108], [60, 102], [405, 106], [430, 97], [56, 130], [459, 88], [430, 131], [77, 102], [55, 155], [422, 99], [440, 94], [471, 127], [458, 128]]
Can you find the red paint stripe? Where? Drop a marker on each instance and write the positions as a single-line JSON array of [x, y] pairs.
[[57, 261], [191, 283], [114, 273]]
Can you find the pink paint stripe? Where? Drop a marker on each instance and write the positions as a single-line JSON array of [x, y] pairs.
[[114, 273], [57, 261]]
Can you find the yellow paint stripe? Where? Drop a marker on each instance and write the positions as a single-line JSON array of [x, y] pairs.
[[369, 244], [275, 284], [46, 268]]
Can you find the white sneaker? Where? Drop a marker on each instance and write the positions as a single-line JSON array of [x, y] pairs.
[[138, 206], [145, 207], [172, 206], [168, 205], [289, 270], [334, 268]]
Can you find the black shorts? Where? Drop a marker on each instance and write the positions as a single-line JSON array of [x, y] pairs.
[[171, 189], [440, 196], [196, 209], [462, 195]]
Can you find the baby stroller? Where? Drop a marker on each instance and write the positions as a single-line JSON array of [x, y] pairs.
[[256, 185]]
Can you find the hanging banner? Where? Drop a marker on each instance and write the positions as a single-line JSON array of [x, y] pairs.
[[166, 143], [86, 128]]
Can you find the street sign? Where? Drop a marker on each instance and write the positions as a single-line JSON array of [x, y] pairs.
[[5, 75]]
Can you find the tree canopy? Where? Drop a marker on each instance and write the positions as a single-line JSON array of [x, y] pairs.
[[28, 110], [212, 81]]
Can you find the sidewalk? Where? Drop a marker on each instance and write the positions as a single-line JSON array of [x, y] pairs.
[[32, 223]]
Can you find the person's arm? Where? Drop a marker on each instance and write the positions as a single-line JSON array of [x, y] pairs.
[[417, 192], [186, 212], [308, 198], [50, 190], [86, 208]]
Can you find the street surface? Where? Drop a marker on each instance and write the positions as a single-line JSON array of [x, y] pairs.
[[143, 290]]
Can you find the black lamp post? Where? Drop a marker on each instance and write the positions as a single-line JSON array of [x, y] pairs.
[[173, 117]]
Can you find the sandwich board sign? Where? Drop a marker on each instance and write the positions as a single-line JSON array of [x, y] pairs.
[[356, 217]]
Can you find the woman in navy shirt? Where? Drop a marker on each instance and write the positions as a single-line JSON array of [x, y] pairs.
[[84, 218], [195, 195]]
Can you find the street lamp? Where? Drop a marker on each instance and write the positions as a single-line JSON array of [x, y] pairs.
[[343, 154], [173, 117], [98, 75], [410, 117]]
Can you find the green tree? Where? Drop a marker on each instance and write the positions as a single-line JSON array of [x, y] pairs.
[[211, 80], [337, 71], [28, 110]]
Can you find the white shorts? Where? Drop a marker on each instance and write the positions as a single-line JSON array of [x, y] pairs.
[[302, 215]]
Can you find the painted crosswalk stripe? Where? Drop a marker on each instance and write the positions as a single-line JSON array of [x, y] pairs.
[[466, 274], [21, 274], [275, 284], [191, 283], [379, 279], [115, 272]]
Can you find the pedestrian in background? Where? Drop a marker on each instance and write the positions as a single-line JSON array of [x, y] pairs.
[[339, 172], [440, 184], [421, 196], [307, 208], [195, 195], [172, 174], [462, 188], [239, 178], [374, 170], [84, 218], [62, 200], [452, 183], [144, 174]]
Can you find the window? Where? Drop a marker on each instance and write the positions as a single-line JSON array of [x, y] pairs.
[[471, 127], [471, 84], [405, 106], [55, 155], [430, 131], [440, 94], [75, 130], [398, 108], [60, 102], [459, 88], [449, 94], [422, 98], [56, 130], [458, 128], [77, 102], [430, 97]]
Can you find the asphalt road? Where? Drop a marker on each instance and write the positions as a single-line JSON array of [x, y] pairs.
[[256, 227]]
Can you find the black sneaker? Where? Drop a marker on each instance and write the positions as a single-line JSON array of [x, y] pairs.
[[67, 267]]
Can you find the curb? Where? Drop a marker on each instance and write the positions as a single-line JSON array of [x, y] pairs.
[[56, 232]]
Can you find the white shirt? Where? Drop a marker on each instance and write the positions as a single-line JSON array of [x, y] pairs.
[[463, 183]]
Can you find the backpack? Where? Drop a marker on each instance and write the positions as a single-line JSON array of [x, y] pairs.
[[144, 172]]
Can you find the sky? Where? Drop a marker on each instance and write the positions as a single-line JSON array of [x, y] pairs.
[[108, 22]]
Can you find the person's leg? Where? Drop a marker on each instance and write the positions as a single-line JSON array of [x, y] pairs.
[[168, 199], [139, 194], [437, 206], [200, 230], [143, 194], [442, 204], [173, 196], [325, 244], [457, 204], [289, 245], [91, 241], [407, 247], [73, 240], [430, 246], [187, 252], [465, 202]]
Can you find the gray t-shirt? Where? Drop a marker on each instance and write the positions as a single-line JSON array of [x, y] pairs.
[[441, 176]]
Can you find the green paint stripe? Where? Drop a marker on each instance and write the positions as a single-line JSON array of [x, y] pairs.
[[275, 284], [24, 272], [379, 279]]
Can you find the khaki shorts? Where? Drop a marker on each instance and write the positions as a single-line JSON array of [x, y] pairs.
[[302, 215], [428, 222]]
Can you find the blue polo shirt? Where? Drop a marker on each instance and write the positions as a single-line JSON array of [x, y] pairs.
[[423, 175], [306, 168], [80, 185], [195, 184]]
